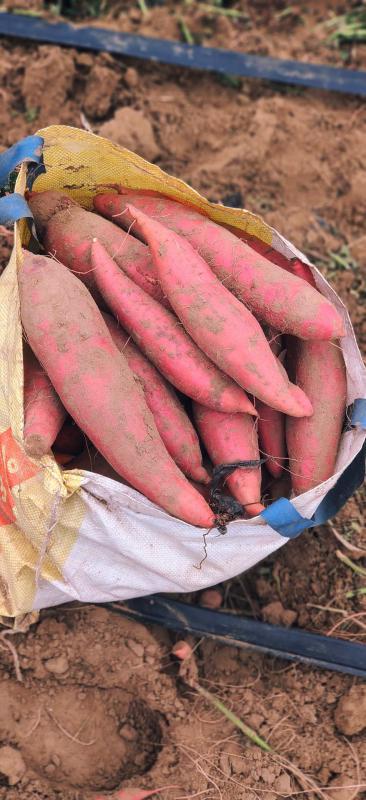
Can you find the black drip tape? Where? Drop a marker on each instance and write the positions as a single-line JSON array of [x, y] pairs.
[[211, 59], [291, 644]]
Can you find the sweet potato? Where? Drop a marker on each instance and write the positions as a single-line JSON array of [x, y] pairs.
[[163, 340], [66, 230], [176, 430], [271, 433], [44, 413], [71, 340], [219, 324], [313, 444], [229, 438], [293, 265], [281, 300], [271, 423]]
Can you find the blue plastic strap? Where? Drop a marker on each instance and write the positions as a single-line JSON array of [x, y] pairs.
[[13, 207], [28, 149], [358, 418], [283, 517]]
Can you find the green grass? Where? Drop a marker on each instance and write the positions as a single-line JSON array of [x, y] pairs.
[[185, 31], [31, 114], [351, 564], [10, 185], [349, 27]]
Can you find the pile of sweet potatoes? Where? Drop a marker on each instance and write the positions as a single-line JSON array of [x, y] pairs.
[[157, 353]]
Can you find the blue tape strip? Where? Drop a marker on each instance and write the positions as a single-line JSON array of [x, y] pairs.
[[283, 517], [28, 149], [358, 418], [13, 207]]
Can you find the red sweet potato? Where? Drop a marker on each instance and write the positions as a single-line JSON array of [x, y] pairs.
[[293, 265], [44, 413], [281, 300], [176, 430], [271, 433], [313, 444], [220, 325], [271, 423], [163, 340], [229, 438], [71, 340], [66, 230]]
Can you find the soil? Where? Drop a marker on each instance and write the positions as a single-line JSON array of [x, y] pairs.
[[101, 704]]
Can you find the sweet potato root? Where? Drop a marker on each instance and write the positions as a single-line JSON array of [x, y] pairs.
[[313, 444], [171, 420], [44, 413], [71, 340], [163, 339], [219, 324], [229, 438], [67, 230], [280, 299]]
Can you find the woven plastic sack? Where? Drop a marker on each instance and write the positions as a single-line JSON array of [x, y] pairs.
[[74, 535]]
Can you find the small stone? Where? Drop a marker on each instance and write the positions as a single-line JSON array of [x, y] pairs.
[[11, 764], [342, 788], [276, 614], [182, 650], [136, 647], [350, 714], [211, 598], [283, 785], [268, 775], [85, 59], [39, 671], [56, 760], [131, 77], [134, 15], [50, 769], [128, 732], [58, 665]]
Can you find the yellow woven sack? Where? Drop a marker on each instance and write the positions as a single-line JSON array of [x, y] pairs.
[[73, 535]]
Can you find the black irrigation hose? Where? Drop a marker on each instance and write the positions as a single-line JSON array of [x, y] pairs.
[[204, 58], [291, 644]]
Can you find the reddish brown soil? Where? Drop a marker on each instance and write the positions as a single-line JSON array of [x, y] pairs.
[[100, 704]]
